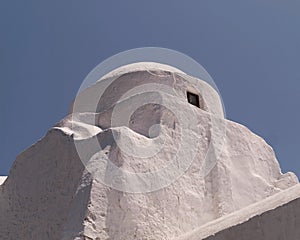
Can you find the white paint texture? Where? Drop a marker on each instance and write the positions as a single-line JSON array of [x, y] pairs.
[[276, 217], [49, 194]]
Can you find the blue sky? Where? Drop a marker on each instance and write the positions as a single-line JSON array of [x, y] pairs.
[[250, 48]]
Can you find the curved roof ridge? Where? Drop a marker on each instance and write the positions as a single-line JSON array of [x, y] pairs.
[[140, 66]]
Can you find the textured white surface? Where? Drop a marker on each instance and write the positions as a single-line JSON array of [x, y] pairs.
[[141, 66], [276, 217], [49, 195], [107, 92]]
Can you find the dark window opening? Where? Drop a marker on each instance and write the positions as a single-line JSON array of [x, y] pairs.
[[193, 99]]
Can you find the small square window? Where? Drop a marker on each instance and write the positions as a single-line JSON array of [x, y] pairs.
[[193, 99]]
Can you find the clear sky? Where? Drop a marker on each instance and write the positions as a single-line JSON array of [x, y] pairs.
[[250, 48]]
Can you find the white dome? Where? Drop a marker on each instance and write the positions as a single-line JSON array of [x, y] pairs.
[[141, 66]]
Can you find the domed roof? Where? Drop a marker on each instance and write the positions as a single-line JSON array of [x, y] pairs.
[[141, 66]]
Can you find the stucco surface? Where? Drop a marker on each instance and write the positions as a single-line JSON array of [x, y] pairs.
[[50, 194], [276, 217]]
